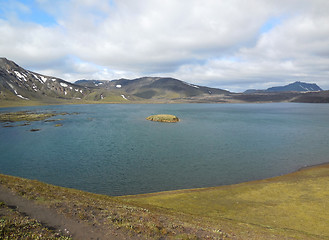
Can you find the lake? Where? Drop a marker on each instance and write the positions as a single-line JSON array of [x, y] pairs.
[[111, 149]]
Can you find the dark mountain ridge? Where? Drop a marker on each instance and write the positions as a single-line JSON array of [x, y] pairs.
[[292, 87]]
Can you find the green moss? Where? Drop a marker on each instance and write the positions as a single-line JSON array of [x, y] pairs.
[[163, 118]]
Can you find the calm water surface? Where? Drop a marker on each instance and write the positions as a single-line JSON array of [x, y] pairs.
[[112, 149]]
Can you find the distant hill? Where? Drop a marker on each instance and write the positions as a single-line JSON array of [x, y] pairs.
[[292, 87], [296, 87], [153, 87]]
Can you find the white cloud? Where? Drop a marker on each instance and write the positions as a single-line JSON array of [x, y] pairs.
[[31, 44], [72, 69], [160, 35], [217, 43]]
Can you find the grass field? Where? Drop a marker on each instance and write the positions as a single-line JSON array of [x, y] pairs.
[[295, 204]]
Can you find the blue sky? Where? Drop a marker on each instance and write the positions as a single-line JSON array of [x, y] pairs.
[[26, 11], [270, 24], [229, 44]]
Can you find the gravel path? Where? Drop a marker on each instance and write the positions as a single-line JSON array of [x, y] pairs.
[[53, 220]]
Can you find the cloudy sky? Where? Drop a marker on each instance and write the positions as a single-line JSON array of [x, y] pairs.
[[229, 44]]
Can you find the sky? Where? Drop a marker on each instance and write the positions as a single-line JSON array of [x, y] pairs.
[[228, 44]]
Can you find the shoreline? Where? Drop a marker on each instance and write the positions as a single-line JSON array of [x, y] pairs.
[[36, 103], [311, 166], [250, 210]]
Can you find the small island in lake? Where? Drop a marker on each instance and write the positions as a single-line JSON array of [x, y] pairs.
[[163, 118]]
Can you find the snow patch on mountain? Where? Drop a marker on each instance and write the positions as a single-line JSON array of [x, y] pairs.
[[43, 78], [20, 76], [20, 96], [37, 77]]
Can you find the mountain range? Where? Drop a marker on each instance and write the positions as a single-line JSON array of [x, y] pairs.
[[17, 83], [19, 86], [292, 87]]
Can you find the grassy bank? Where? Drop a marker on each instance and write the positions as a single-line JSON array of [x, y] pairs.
[[293, 206], [111, 214]]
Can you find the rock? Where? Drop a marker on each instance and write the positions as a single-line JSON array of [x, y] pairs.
[[163, 118], [35, 129]]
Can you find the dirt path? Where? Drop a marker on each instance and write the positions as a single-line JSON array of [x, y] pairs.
[[53, 220]]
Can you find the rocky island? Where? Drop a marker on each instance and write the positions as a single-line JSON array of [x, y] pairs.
[[163, 118]]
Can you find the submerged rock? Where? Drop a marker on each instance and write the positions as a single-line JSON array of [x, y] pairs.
[[53, 120], [163, 118], [35, 129]]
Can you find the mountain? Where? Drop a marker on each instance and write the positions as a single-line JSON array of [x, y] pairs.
[[292, 87], [153, 87], [296, 87], [16, 83], [19, 84]]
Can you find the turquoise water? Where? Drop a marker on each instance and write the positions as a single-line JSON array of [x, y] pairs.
[[112, 149]]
